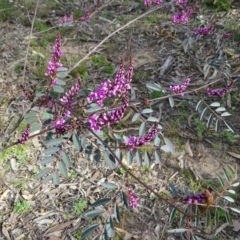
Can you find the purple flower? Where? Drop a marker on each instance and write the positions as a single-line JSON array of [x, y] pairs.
[[203, 30], [67, 99], [118, 87], [132, 199], [181, 2], [180, 88], [59, 125], [196, 198], [25, 135], [66, 19], [228, 34], [150, 2], [87, 15], [54, 62], [220, 92], [105, 119], [134, 142], [180, 17]]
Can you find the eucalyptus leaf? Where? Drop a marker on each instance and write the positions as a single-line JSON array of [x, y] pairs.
[[217, 126], [124, 199], [235, 210], [172, 215], [177, 230], [157, 156]]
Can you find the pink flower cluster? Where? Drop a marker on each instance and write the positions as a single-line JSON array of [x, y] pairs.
[[203, 30], [220, 92], [54, 63], [180, 88], [181, 2], [105, 119], [228, 34], [183, 16], [25, 135], [66, 19], [86, 16], [150, 2], [118, 87], [196, 198], [59, 125], [134, 142], [132, 199]]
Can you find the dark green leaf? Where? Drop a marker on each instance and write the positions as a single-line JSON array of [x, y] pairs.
[[66, 160], [61, 82], [89, 230], [230, 127], [135, 117], [44, 172], [118, 154], [172, 215], [58, 89], [152, 119], [109, 159], [229, 199], [55, 141], [173, 190], [208, 216], [129, 158], [47, 179], [199, 104], [228, 218], [138, 158], [36, 127], [116, 213], [217, 126], [109, 185], [88, 151], [157, 141], [109, 227], [100, 202], [147, 158], [226, 174], [62, 169], [124, 199], [157, 156], [210, 119], [40, 94], [56, 179], [30, 115], [197, 219], [204, 112], [216, 217], [182, 219], [154, 86], [83, 142], [77, 142], [31, 120], [221, 180], [51, 150], [142, 129], [96, 156], [93, 213], [47, 160]]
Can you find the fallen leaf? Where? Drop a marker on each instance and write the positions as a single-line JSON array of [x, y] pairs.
[[234, 155]]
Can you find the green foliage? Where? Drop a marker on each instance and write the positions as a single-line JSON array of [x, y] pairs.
[[78, 235], [40, 26], [218, 5], [79, 207], [101, 61], [156, 94], [21, 207], [5, 10], [145, 168], [200, 127]]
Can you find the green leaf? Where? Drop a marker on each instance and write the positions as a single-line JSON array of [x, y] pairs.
[[109, 159], [216, 217], [204, 112], [30, 115], [109, 185], [62, 169], [61, 82], [230, 127], [47, 179], [89, 230], [109, 227], [58, 89], [215, 104], [235, 184], [93, 213], [221, 180], [171, 102], [157, 141], [177, 230], [62, 72], [226, 174], [124, 199], [152, 119], [83, 142], [226, 114], [100, 202], [97, 156], [50, 151], [55, 141], [197, 219], [173, 190], [142, 129], [199, 104], [66, 160], [235, 210], [154, 86], [217, 126], [76, 142], [232, 191], [119, 155], [157, 156], [56, 179], [229, 199], [147, 110], [47, 160], [88, 151], [117, 213], [135, 117], [129, 158], [44, 172], [94, 109], [172, 215], [36, 127], [228, 218], [208, 216], [210, 119], [147, 158], [182, 219], [220, 109], [138, 158]]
